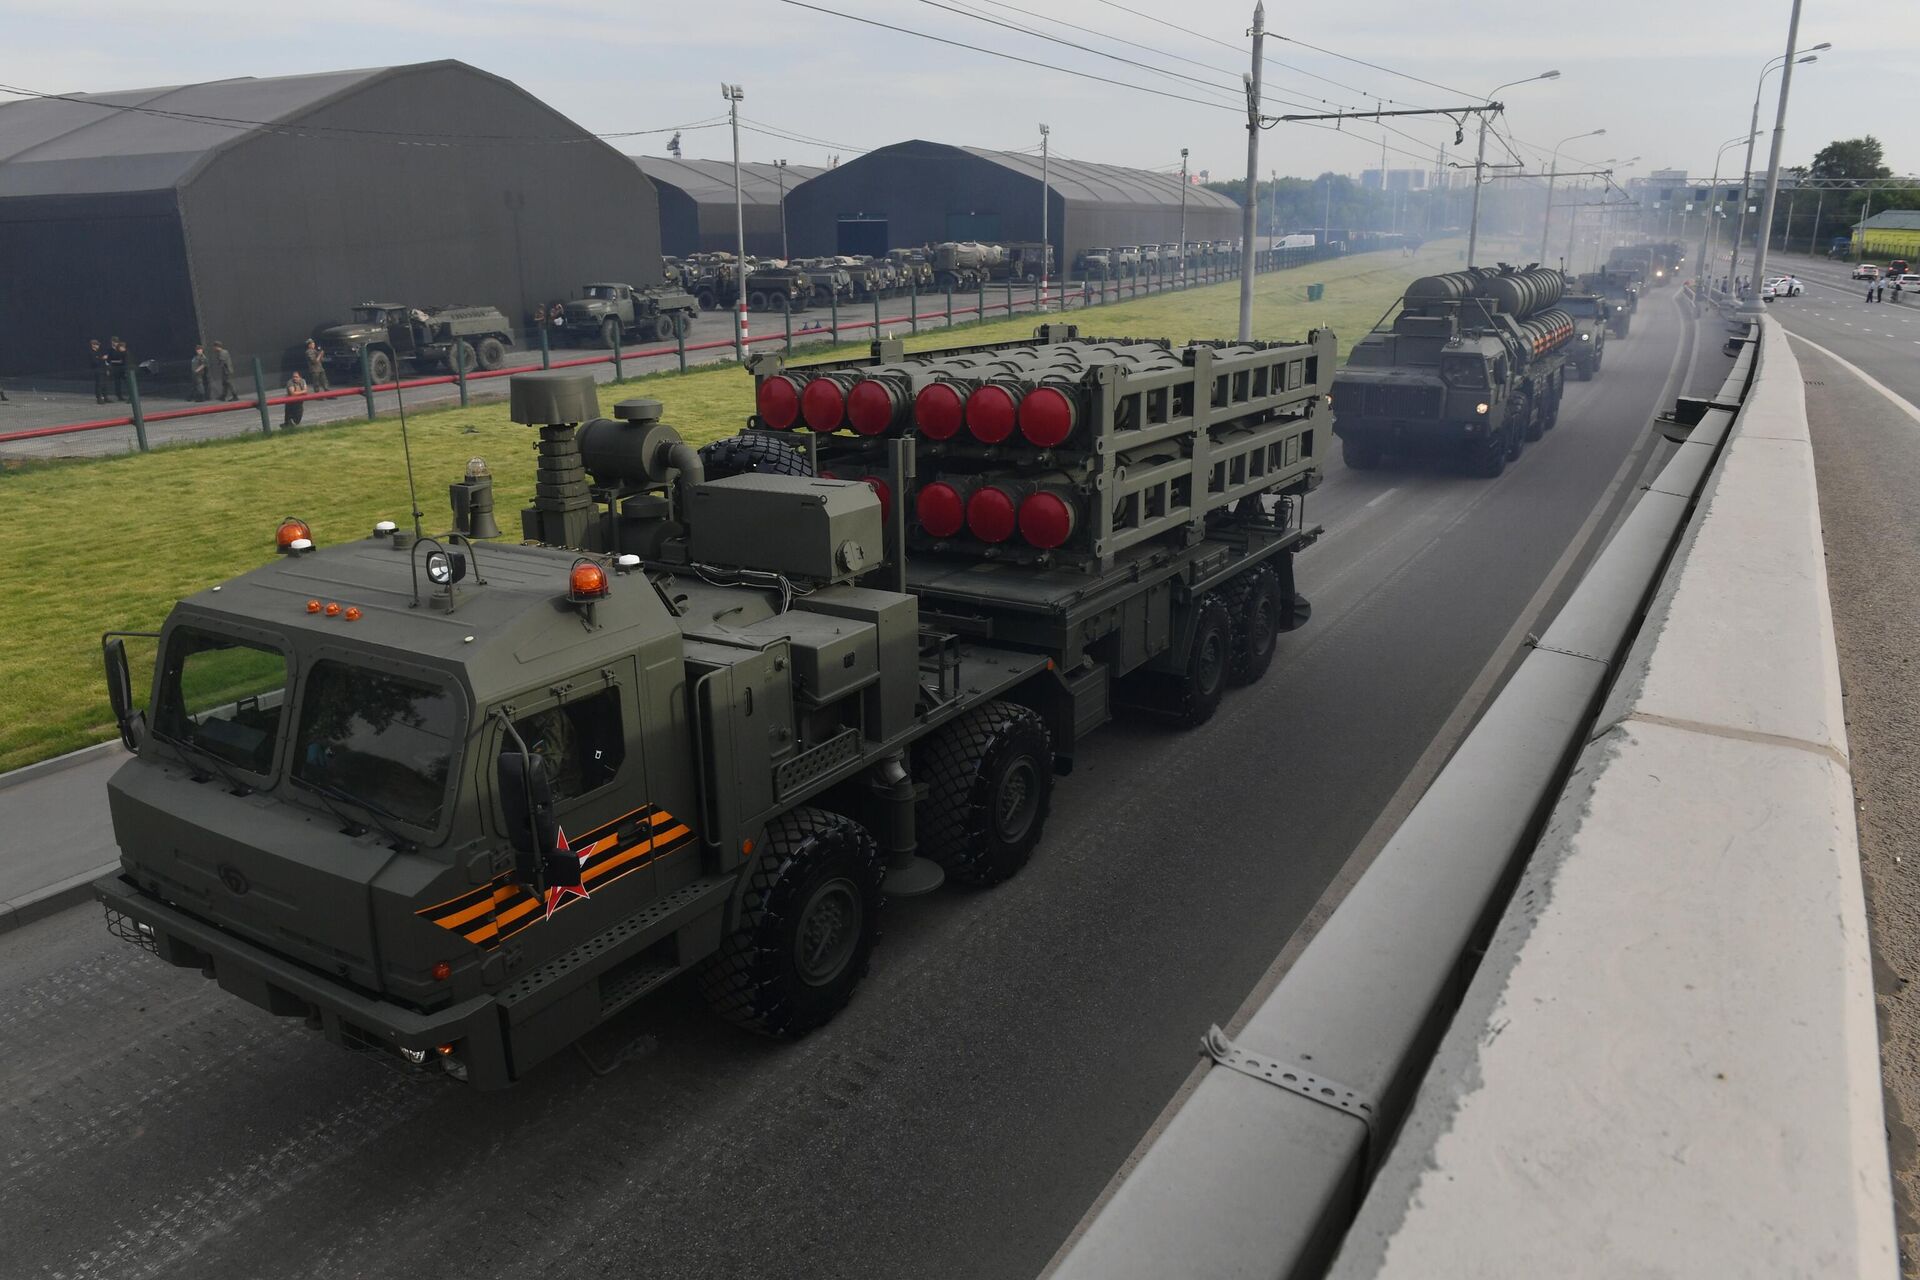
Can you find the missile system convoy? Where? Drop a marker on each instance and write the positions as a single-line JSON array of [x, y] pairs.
[[456, 803]]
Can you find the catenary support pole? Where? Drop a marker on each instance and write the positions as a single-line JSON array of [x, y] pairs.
[[1250, 211], [733, 94], [1763, 241]]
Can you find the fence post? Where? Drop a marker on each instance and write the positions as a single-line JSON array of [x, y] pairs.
[[260, 398], [546, 351], [951, 319], [460, 349], [835, 331], [139, 414], [980, 302], [366, 381], [876, 313], [913, 303], [786, 316], [619, 370]]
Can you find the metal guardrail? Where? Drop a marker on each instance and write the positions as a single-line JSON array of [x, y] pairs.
[[1260, 1172]]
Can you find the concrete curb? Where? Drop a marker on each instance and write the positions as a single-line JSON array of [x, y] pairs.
[[1668, 1062], [41, 768], [41, 903]]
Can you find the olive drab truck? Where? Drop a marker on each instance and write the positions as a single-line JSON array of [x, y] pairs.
[[454, 803], [1469, 364]]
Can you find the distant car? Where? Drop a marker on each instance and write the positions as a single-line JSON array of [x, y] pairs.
[[1909, 283], [1782, 287], [1866, 271]]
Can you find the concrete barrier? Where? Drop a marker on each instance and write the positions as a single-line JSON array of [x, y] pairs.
[[1667, 1063]]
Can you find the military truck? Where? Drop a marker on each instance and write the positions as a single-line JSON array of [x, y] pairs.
[[1621, 294], [772, 287], [606, 313], [1026, 262], [455, 803], [914, 268], [394, 336], [1591, 316], [829, 281], [1638, 261], [1095, 262], [966, 264], [1473, 364]]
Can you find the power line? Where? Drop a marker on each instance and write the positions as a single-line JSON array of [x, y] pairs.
[[1362, 62], [761, 126], [1044, 66]]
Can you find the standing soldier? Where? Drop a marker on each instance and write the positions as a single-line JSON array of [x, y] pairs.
[[223, 359], [117, 366], [317, 367], [198, 367], [97, 361], [296, 386]]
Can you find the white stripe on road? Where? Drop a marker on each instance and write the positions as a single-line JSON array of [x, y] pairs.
[[1898, 400], [1381, 497]]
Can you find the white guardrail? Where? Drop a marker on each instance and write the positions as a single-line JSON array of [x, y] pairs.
[[1667, 1063]]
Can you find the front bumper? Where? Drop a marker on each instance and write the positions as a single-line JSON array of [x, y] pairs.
[[343, 1014], [1411, 435]]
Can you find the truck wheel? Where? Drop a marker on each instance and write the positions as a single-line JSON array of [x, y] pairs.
[[460, 357], [662, 328], [736, 455], [779, 301], [491, 353], [1192, 696], [806, 927], [1536, 424], [1359, 457], [609, 333], [682, 323], [1492, 459], [756, 301], [1257, 616], [379, 366], [708, 300], [989, 779]]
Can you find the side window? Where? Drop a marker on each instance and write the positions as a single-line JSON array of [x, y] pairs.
[[224, 696], [583, 742]]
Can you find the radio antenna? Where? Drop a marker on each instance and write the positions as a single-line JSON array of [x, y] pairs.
[[406, 447]]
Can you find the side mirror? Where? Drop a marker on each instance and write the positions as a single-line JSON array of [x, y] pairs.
[[526, 797], [132, 722]]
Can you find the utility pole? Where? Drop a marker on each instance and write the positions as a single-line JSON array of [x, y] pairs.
[[1250, 214], [1183, 215], [781, 167], [1046, 244], [1753, 304], [733, 94], [1273, 203], [1385, 198], [1473, 222]]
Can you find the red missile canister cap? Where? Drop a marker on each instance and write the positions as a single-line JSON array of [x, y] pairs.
[[778, 401], [938, 410], [1046, 520], [990, 414], [870, 407], [940, 510], [990, 514], [882, 492], [1046, 417], [823, 405]]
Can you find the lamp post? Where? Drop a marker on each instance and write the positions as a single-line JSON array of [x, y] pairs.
[[1746, 173], [1183, 217], [1480, 163], [1752, 306], [1702, 282], [1046, 245], [780, 166], [1553, 172], [733, 94]]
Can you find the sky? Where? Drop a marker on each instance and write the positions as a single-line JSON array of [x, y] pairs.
[[1669, 80]]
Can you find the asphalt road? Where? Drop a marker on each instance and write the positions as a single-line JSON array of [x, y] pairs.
[[1010, 1049], [1867, 458]]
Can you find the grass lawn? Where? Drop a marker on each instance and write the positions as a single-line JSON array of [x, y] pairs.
[[88, 546]]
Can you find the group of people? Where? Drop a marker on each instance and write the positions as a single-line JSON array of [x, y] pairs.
[[1877, 291], [210, 372]]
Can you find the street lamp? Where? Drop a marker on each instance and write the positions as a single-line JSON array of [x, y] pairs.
[[780, 166], [1746, 173], [1046, 245], [734, 94], [1553, 172], [1701, 283], [1753, 307], [1183, 218], [1480, 163]]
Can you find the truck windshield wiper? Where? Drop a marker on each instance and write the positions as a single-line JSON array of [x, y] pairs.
[[373, 811], [188, 751]]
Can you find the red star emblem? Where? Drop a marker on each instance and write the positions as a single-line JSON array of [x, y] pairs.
[[558, 894]]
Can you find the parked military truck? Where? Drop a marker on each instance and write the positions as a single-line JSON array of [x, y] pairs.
[[606, 313], [1473, 363], [778, 288], [391, 336], [965, 264], [1094, 263], [454, 804], [1591, 317], [829, 281]]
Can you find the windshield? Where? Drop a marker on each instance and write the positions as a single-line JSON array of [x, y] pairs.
[[1581, 306], [384, 740], [1463, 371], [603, 291], [370, 315], [223, 695]]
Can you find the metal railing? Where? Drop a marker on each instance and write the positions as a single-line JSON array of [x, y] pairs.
[[1260, 1171]]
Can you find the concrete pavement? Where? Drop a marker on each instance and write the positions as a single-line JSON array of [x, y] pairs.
[[1009, 1050]]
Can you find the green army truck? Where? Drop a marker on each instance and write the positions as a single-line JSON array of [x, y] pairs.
[[1592, 315], [455, 803], [1472, 365], [386, 337], [1621, 294], [608, 313]]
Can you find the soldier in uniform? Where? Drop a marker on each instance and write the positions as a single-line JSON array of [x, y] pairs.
[[223, 359], [296, 386], [198, 368], [97, 361], [117, 366], [317, 367]]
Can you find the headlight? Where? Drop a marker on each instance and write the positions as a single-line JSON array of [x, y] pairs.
[[1481, 407], [1586, 337]]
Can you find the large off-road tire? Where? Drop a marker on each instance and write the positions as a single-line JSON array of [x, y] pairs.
[[756, 301], [805, 926], [989, 778], [736, 455], [461, 357], [662, 327], [708, 300], [379, 367], [610, 333], [1491, 460], [1189, 697], [1257, 615], [1536, 425], [1359, 457], [682, 323], [491, 353]]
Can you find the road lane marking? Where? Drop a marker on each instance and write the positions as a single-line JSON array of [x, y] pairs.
[[1899, 401], [1381, 497]]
